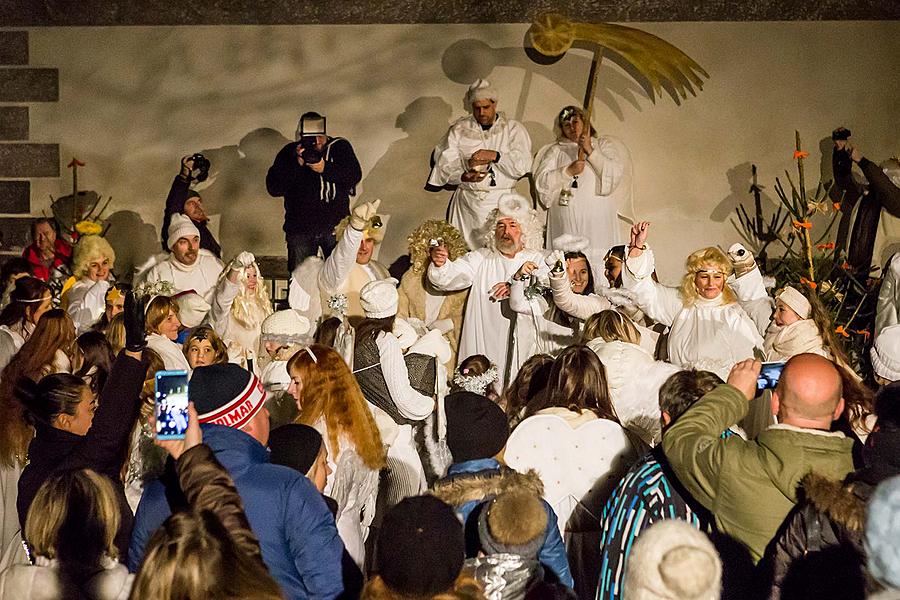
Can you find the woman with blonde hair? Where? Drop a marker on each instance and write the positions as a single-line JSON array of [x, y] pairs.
[[633, 376], [70, 532], [92, 264], [710, 328], [331, 401], [240, 305], [163, 325]]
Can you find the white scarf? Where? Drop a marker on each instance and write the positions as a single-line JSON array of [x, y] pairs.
[[783, 342]]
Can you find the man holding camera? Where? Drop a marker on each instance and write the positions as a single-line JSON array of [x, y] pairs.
[[316, 175], [183, 200]]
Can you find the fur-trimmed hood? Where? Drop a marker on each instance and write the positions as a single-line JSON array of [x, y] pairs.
[[844, 503], [458, 489]]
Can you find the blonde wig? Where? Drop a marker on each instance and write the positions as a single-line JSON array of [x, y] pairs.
[[694, 264], [88, 249], [419, 242], [251, 307], [331, 391]]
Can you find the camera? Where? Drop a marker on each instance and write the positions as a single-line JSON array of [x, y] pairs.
[[311, 154], [201, 167]]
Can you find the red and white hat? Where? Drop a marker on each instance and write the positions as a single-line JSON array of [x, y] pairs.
[[226, 394]]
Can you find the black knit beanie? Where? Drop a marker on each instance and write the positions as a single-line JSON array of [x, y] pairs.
[[421, 547], [296, 446], [476, 427], [226, 394]]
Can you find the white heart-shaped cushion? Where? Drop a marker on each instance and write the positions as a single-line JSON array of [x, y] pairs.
[[573, 464]]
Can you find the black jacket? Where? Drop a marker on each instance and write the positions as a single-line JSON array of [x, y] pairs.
[[178, 195], [315, 202], [103, 449]]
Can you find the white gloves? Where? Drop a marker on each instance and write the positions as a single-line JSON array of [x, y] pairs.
[[741, 259], [556, 260], [242, 261], [361, 214]]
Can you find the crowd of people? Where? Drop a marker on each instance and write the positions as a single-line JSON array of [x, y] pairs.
[[526, 413]]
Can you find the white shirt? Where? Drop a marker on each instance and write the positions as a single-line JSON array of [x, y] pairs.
[[200, 276]]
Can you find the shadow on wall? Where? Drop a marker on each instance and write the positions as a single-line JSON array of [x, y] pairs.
[[740, 178], [250, 218], [133, 240]]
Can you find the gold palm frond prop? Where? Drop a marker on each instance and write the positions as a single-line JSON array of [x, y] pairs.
[[661, 63]]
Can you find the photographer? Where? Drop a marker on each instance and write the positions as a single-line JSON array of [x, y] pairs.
[[316, 175], [882, 192], [186, 201]]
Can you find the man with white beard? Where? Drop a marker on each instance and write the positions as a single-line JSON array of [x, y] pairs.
[[515, 236], [483, 154]]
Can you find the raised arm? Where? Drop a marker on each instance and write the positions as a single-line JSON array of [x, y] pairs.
[[452, 275], [338, 265], [576, 305]]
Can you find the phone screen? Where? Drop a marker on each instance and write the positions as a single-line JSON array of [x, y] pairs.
[[769, 375], [171, 405]]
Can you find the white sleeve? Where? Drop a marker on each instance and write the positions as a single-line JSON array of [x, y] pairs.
[[753, 298], [448, 162], [577, 305], [7, 349], [887, 305], [411, 403], [456, 274], [516, 161], [607, 165], [518, 303], [549, 178], [338, 264], [660, 303], [220, 309], [87, 304]]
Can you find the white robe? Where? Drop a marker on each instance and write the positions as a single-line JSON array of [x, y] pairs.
[[888, 306], [487, 325], [602, 197], [242, 342], [471, 202], [200, 276], [87, 301], [709, 335], [535, 332]]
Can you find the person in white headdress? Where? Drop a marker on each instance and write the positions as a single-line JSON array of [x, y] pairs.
[[484, 154], [584, 182], [515, 237], [239, 307]]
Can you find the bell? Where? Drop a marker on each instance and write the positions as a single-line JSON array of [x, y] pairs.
[[575, 182]]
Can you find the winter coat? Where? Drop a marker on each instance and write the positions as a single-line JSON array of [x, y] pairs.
[[296, 531], [504, 576], [470, 483], [45, 581], [750, 486], [103, 448]]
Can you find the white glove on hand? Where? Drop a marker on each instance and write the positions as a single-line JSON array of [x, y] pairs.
[[443, 325], [554, 260], [243, 260], [741, 259], [361, 214]]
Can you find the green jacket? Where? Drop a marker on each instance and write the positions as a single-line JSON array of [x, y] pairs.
[[749, 486]]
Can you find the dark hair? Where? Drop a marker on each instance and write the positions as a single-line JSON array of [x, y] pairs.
[[13, 266], [370, 328], [577, 382], [98, 355], [24, 300], [682, 389], [617, 252], [887, 406], [48, 220], [327, 331], [530, 380], [52, 396], [858, 399], [589, 289]]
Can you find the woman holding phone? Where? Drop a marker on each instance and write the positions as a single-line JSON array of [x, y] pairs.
[[72, 433]]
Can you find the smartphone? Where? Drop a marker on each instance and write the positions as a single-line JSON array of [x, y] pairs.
[[769, 376], [171, 406]]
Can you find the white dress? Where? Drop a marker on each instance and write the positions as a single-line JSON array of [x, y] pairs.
[[242, 342], [888, 306], [87, 301], [709, 335], [488, 326], [471, 202], [602, 196]]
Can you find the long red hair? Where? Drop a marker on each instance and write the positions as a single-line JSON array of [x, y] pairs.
[[330, 390]]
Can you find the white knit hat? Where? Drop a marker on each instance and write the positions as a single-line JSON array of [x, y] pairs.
[[886, 353], [795, 300], [481, 89], [379, 298], [285, 327], [192, 308], [673, 560], [181, 226]]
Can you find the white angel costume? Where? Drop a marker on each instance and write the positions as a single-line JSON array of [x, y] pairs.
[[86, 302], [536, 331]]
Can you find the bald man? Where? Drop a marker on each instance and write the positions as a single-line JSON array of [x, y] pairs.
[[750, 486]]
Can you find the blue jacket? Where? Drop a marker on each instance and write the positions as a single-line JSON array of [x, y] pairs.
[[296, 531], [469, 483]]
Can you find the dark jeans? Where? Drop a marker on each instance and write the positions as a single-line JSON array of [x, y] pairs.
[[303, 245]]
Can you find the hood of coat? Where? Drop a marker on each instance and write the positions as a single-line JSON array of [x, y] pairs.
[[844, 504], [236, 450], [787, 454], [456, 490], [504, 575]]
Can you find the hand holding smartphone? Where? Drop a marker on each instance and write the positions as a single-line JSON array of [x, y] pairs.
[[769, 376], [171, 409]]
